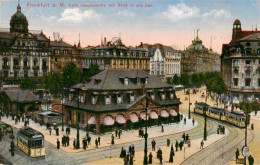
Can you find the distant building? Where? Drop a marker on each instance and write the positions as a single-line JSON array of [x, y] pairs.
[[198, 59], [164, 60], [63, 53], [240, 63], [114, 54], [116, 97], [23, 53]]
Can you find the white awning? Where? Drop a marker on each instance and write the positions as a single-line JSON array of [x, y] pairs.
[[173, 112], [133, 118], [153, 115], [143, 116], [164, 113], [92, 120], [120, 119], [108, 120]]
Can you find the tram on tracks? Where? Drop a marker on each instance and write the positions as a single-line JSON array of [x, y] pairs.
[[234, 118], [31, 142]]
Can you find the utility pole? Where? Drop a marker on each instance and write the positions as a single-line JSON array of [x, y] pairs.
[[205, 118], [146, 134], [189, 103], [78, 144]]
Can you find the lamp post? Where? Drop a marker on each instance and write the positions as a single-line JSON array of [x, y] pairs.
[[146, 134], [78, 144], [62, 120], [205, 118], [231, 92], [189, 104]]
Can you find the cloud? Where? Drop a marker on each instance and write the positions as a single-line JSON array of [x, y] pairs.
[[125, 13], [216, 16], [179, 12], [75, 15]]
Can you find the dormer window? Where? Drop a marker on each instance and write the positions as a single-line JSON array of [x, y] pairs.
[[126, 81], [152, 96], [107, 99], [163, 96], [146, 80], [94, 100], [119, 99], [81, 98], [132, 97], [171, 95]]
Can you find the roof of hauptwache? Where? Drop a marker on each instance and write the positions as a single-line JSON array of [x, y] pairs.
[[244, 34], [113, 79], [252, 37], [22, 96]]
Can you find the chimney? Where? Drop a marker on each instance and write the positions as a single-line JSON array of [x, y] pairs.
[[105, 41], [141, 44]]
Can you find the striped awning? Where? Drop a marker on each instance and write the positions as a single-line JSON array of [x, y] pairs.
[[173, 112], [120, 119], [92, 120], [143, 116], [108, 120], [153, 115], [164, 113], [133, 118]]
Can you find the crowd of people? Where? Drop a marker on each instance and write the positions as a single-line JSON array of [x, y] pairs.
[[128, 157]]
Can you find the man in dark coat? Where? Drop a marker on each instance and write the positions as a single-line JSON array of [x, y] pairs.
[[122, 152], [153, 145], [251, 160], [58, 144], [112, 140], [183, 137], [171, 156], [187, 138], [57, 131], [181, 145], [150, 160], [193, 121], [160, 156], [168, 142], [185, 120], [237, 154], [98, 140], [172, 147], [176, 145]]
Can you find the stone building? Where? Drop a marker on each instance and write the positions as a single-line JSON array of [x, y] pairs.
[[63, 53], [198, 59], [23, 53], [114, 54], [117, 97], [240, 63]]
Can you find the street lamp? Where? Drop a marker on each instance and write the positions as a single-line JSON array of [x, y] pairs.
[[78, 144], [146, 125], [205, 118], [189, 103]]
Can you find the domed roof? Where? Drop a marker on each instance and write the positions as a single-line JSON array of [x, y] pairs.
[[19, 22], [237, 22]]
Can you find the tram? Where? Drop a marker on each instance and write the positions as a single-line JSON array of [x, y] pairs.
[[31, 142], [235, 118]]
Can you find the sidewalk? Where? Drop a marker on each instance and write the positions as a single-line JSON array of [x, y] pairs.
[[127, 136], [179, 157]]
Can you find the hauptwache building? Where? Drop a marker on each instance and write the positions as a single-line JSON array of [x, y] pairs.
[[118, 96]]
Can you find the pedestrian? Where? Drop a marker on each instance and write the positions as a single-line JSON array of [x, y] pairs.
[[185, 120], [171, 156], [122, 152], [50, 131], [181, 145], [69, 130], [162, 129], [168, 142], [68, 140], [251, 160], [130, 149], [131, 162], [189, 143], [112, 140], [176, 145], [252, 126], [187, 138], [201, 144], [57, 131], [58, 144], [98, 140], [119, 133], [160, 156], [150, 160], [84, 143], [183, 137], [237, 154], [116, 132], [223, 129], [153, 145], [74, 144], [218, 131], [63, 141], [133, 150], [193, 121], [172, 147]]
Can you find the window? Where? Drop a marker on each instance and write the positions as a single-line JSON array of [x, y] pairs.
[[44, 63], [25, 63], [235, 80], [171, 95], [235, 62], [74, 59], [5, 73], [35, 62], [248, 62], [25, 73], [152, 96], [119, 99], [163, 96], [16, 73], [35, 73], [108, 99], [70, 97], [235, 72], [146, 80], [81, 98], [132, 97], [93, 100], [247, 82], [126, 81], [248, 72]]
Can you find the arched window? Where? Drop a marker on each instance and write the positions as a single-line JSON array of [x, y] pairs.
[[16, 62], [235, 72], [35, 62], [248, 72], [5, 60], [25, 62], [44, 63]]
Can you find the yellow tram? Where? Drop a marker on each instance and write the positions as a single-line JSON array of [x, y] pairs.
[[221, 114], [31, 142]]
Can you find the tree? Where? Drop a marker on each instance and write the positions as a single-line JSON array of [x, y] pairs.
[[185, 80], [71, 75], [27, 84], [93, 70], [195, 80], [169, 80], [53, 83], [175, 80]]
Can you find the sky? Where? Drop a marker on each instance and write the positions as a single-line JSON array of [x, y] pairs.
[[169, 22]]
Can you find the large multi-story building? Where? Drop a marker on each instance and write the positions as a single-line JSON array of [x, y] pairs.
[[164, 60], [114, 54], [116, 97], [63, 53], [197, 58], [240, 63], [23, 53]]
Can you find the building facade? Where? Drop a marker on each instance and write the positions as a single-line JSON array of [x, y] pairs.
[[23, 53], [117, 97], [114, 54], [240, 63], [198, 59], [63, 53]]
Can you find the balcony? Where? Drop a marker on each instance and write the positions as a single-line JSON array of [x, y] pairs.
[[26, 67], [6, 67], [35, 67], [45, 67], [17, 66]]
